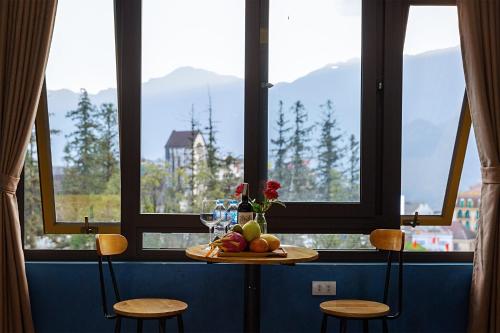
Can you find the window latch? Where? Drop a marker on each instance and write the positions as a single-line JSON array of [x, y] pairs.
[[266, 85], [87, 229], [413, 222]]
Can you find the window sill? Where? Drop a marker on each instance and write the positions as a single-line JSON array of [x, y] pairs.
[[325, 256]]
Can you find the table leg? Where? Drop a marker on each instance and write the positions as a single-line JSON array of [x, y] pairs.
[[252, 299]]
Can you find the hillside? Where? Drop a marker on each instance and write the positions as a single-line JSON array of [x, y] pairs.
[[433, 87]]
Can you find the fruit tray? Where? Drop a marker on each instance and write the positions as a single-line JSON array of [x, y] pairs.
[[278, 253]]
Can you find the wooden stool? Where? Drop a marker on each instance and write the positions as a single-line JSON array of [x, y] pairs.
[[139, 309], [383, 239]]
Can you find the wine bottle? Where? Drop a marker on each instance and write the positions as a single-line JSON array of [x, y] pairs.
[[245, 211]]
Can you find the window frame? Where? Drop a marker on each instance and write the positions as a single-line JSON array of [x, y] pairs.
[[382, 211], [458, 156], [50, 223]]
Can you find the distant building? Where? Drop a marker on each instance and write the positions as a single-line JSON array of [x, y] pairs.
[[179, 146], [467, 207], [430, 238], [463, 238]]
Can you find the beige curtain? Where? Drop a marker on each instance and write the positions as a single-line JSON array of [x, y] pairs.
[[479, 22], [25, 33]]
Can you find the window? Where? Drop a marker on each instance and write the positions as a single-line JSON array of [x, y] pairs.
[[238, 90], [77, 127], [433, 90], [315, 105], [191, 103]]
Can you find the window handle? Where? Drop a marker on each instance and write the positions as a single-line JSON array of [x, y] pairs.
[[414, 222], [87, 229], [266, 85]]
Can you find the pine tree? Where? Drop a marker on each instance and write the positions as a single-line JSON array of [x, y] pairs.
[[281, 144], [108, 141], [229, 179], [353, 168], [192, 159], [80, 153], [302, 181], [212, 150], [212, 161], [329, 152]]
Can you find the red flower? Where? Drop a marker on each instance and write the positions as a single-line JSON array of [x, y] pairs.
[[239, 189], [270, 194], [273, 185]]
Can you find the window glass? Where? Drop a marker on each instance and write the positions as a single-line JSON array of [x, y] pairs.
[[34, 238], [158, 241], [81, 92], [433, 90], [461, 235], [314, 106], [192, 102]]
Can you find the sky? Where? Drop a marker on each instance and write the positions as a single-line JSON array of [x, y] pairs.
[[303, 36]]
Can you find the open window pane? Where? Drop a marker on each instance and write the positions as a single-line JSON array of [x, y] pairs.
[[34, 237], [461, 235], [192, 102], [433, 90], [314, 106], [81, 93]]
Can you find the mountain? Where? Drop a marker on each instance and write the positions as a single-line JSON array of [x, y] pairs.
[[433, 91]]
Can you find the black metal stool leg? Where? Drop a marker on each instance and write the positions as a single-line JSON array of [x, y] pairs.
[[365, 326], [385, 328], [324, 322], [180, 324], [118, 324], [343, 325], [139, 325], [162, 325]]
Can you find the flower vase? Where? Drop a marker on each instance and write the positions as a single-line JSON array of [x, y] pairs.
[[261, 220]]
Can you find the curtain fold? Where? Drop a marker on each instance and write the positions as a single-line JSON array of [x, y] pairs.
[[25, 33], [479, 22]]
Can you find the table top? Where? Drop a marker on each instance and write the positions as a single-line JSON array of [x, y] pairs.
[[295, 255]]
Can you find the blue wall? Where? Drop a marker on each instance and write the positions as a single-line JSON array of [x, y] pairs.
[[65, 296]]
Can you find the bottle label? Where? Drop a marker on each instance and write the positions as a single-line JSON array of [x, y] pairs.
[[244, 217]]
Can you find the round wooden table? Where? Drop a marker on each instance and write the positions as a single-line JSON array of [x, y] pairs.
[[252, 275]]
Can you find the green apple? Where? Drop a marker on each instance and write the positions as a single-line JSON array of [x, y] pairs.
[[251, 230]]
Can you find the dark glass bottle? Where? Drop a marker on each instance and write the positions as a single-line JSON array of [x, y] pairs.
[[245, 211]]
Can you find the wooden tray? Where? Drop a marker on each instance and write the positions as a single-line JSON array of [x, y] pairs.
[[278, 253]]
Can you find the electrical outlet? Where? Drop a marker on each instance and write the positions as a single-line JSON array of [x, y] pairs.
[[324, 287]]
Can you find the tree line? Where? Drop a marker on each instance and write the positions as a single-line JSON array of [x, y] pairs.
[[324, 170], [91, 153], [321, 169]]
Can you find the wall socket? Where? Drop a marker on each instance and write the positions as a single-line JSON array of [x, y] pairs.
[[324, 287]]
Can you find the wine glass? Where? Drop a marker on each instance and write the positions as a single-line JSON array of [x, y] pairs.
[[208, 216]]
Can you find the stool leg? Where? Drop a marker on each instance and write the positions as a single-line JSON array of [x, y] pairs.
[[365, 326], [343, 325], [139, 325], [324, 322], [162, 325], [385, 328], [180, 324], [118, 324]]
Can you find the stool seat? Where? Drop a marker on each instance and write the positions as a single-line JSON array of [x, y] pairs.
[[149, 307], [353, 308]]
